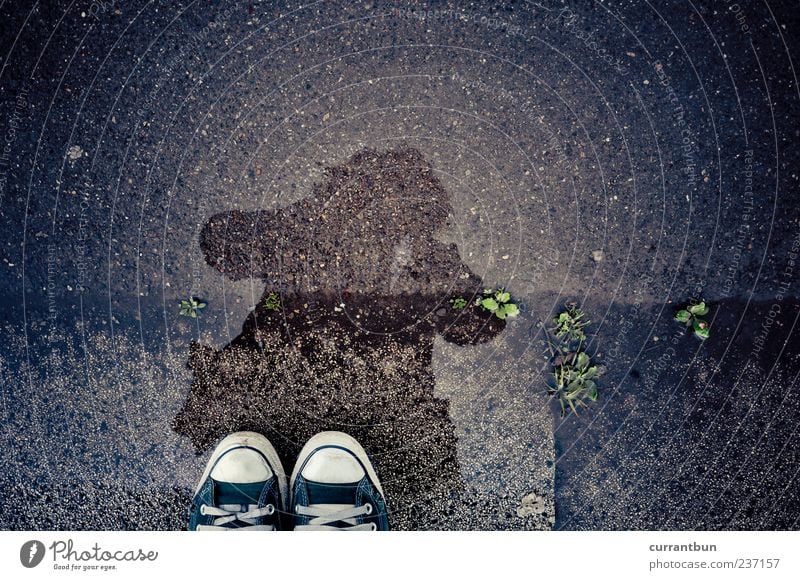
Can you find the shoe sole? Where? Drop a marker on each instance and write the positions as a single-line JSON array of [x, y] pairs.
[[255, 441], [336, 439]]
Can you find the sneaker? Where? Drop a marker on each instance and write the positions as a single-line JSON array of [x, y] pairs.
[[243, 487], [334, 486]]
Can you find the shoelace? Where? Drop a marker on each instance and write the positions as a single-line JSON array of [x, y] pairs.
[[230, 513], [323, 515]]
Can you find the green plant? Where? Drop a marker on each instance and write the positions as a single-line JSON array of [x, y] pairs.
[[272, 301], [574, 381], [499, 303], [573, 377], [458, 303], [569, 324], [691, 316], [191, 307]]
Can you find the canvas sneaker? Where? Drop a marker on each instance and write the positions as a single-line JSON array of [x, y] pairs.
[[335, 487], [243, 487]]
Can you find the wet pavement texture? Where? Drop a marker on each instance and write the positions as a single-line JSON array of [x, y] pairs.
[[328, 177]]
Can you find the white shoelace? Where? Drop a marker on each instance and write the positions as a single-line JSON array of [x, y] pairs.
[[322, 515], [230, 513]]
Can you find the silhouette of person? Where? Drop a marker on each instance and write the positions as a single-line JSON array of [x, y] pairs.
[[356, 288]]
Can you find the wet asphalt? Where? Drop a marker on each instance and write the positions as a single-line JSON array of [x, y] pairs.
[[368, 162]]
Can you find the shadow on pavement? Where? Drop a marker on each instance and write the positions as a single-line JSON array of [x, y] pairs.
[[356, 288]]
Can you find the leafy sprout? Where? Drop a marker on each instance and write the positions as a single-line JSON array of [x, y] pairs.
[[573, 381], [499, 303], [272, 301], [458, 303], [573, 376], [570, 324], [191, 307], [691, 316]]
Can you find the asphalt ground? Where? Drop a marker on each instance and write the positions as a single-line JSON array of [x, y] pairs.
[[368, 162]]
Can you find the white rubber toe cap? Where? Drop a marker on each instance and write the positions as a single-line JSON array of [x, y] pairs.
[[336, 463], [332, 465], [241, 465]]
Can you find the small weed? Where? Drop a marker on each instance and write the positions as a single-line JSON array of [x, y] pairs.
[[191, 307], [573, 381], [691, 316], [573, 377], [499, 303], [272, 301], [569, 324], [458, 303]]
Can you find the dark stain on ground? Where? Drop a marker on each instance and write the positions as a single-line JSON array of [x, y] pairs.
[[364, 287]]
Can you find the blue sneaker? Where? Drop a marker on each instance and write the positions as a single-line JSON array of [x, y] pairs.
[[243, 487], [334, 486]]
